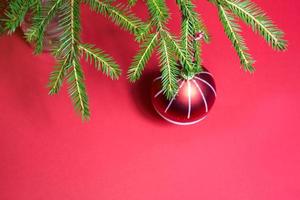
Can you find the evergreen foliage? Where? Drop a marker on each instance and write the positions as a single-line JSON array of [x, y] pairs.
[[41, 19], [232, 30], [69, 49], [169, 48], [15, 14], [177, 55], [101, 60], [119, 14], [142, 57], [253, 16]]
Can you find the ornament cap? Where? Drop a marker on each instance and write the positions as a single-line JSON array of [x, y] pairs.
[[187, 76]]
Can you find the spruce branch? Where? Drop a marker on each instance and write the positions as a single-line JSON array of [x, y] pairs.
[[142, 57], [132, 2], [147, 29], [36, 7], [169, 70], [181, 53], [70, 24], [15, 14], [40, 23], [123, 17], [187, 35], [187, 9], [77, 89], [255, 17], [2, 29], [191, 26], [232, 30], [150, 35], [119, 14], [100, 60], [68, 50], [191, 47], [158, 10], [98, 6], [57, 76], [169, 50]]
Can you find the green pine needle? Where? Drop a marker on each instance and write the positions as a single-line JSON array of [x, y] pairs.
[[40, 23], [77, 89], [169, 70], [100, 60], [57, 76], [143, 56], [196, 23], [251, 14], [69, 50], [70, 24], [191, 26], [187, 37], [147, 28], [15, 14], [2, 29], [123, 17], [132, 2], [158, 10], [153, 34], [232, 30], [180, 52], [36, 6], [119, 14], [98, 6]]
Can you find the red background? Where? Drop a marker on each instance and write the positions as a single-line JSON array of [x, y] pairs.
[[247, 148]]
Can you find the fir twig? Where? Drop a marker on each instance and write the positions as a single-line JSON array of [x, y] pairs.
[[255, 17], [188, 67], [191, 26], [142, 57], [196, 23], [40, 23], [77, 89], [15, 14], [187, 35], [169, 70], [158, 11], [132, 2], [69, 50], [147, 28], [119, 14], [57, 76], [100, 60], [232, 30]]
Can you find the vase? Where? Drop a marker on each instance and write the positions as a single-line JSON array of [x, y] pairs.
[[51, 33]]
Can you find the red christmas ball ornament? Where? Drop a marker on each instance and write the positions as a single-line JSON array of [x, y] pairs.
[[191, 103]]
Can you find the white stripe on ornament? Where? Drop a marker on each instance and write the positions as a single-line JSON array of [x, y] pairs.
[[180, 123], [160, 91], [211, 87], [205, 102], [190, 100], [157, 78], [170, 103], [206, 73]]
